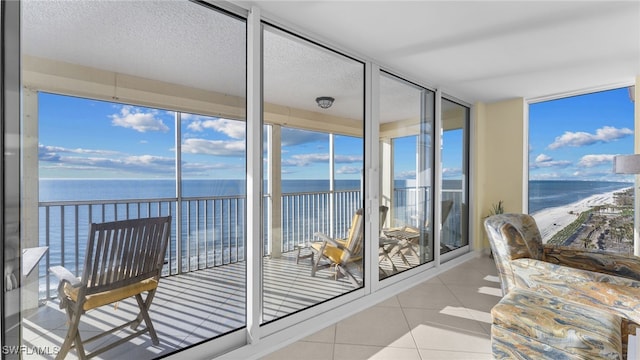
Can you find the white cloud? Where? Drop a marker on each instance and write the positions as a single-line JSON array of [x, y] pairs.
[[204, 168], [451, 172], [542, 158], [305, 159], [133, 118], [545, 161], [575, 139], [133, 164], [52, 153], [406, 175], [64, 159], [213, 147], [349, 170], [232, 128], [348, 158], [545, 176], [595, 160]]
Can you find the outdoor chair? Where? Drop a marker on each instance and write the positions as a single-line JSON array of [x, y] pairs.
[[604, 280], [408, 237], [123, 259], [340, 253]]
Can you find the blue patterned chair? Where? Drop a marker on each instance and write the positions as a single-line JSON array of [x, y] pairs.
[[603, 280]]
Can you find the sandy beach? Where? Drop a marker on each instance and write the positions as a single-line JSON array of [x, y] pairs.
[[552, 220]]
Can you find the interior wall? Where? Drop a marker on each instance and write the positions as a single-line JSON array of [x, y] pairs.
[[498, 155]]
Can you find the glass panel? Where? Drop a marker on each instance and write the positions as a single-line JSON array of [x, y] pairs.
[[313, 170], [406, 128], [113, 148], [575, 197], [213, 200], [454, 165]]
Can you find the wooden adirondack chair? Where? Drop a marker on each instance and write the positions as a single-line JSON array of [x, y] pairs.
[[123, 259]]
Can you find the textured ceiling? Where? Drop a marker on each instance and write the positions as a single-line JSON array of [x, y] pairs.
[[476, 50], [482, 50], [174, 41]]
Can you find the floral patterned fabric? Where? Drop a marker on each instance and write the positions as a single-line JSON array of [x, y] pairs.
[[515, 236], [529, 325], [607, 281]]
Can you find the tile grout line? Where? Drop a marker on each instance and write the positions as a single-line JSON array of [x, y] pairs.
[[404, 315]]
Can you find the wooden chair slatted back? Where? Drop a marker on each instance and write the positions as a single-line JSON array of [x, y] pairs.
[[355, 237], [124, 252]]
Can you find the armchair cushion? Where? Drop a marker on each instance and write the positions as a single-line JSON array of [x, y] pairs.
[[614, 294], [533, 325]]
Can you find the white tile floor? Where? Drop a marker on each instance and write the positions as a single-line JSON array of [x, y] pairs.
[[447, 317]]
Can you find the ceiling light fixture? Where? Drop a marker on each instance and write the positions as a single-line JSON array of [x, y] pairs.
[[325, 102]]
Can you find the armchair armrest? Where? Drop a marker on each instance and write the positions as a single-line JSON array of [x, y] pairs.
[[627, 266]]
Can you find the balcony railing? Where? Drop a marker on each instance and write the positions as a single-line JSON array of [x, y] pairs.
[[212, 229]]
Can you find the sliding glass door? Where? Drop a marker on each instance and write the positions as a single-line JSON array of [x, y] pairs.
[[406, 163], [455, 177], [129, 112], [313, 174]]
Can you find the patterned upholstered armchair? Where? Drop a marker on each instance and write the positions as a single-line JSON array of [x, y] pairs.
[[596, 278]]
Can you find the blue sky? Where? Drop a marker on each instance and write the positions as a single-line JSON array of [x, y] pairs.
[[576, 138], [571, 138], [81, 138]]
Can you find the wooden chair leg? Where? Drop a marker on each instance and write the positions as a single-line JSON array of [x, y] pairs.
[[315, 263], [147, 320], [147, 303], [345, 272], [73, 336], [79, 345]]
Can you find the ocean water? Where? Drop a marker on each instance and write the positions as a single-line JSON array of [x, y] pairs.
[[542, 194], [553, 193], [110, 189]]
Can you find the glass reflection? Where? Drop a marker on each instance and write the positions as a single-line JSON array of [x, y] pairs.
[[406, 136], [314, 233], [454, 195], [100, 142]]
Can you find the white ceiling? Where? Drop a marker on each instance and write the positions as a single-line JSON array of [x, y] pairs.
[[476, 50], [482, 50]]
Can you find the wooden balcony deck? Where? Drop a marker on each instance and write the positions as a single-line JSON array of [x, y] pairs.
[[190, 308]]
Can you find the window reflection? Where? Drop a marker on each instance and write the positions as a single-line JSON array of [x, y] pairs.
[[406, 136], [103, 110], [454, 195], [314, 233]]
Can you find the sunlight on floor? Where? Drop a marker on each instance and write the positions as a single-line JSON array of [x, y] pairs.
[[490, 291]]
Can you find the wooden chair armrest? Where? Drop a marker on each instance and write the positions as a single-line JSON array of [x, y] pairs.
[[65, 275], [329, 240]]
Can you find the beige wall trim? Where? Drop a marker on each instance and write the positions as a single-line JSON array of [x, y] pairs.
[[400, 128], [76, 80]]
